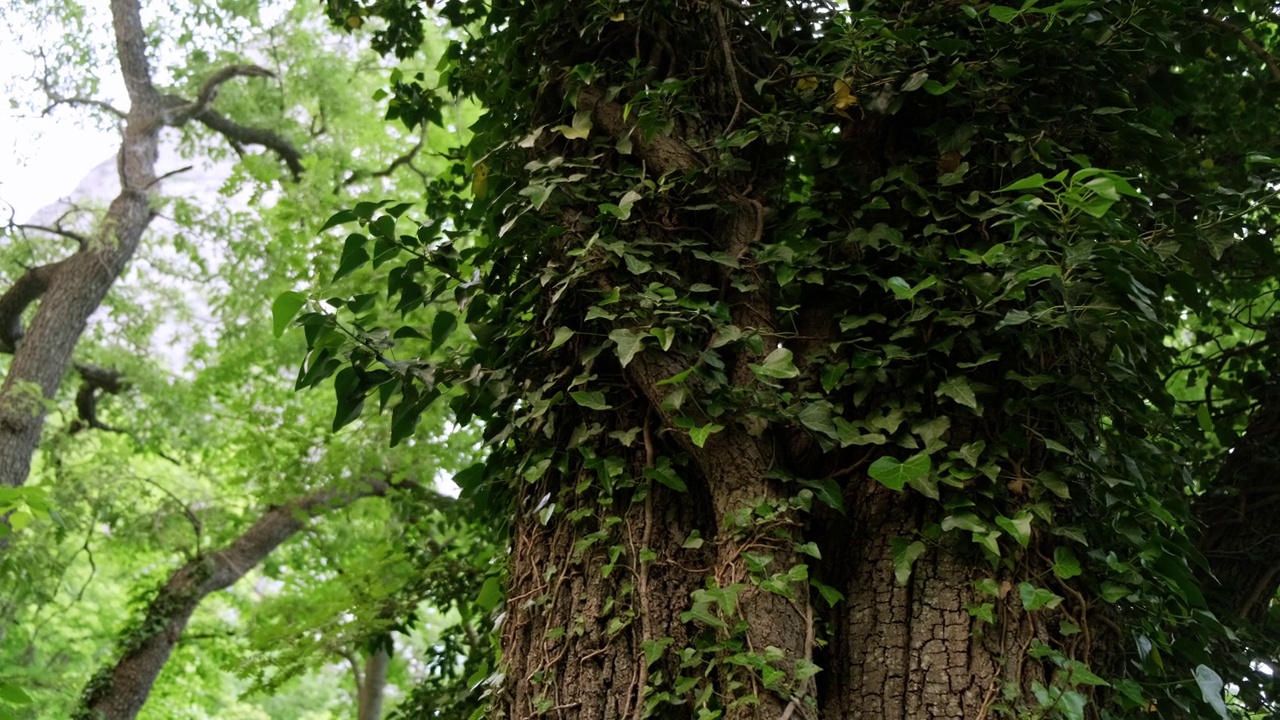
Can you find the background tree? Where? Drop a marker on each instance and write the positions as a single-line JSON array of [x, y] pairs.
[[880, 359], [177, 457]]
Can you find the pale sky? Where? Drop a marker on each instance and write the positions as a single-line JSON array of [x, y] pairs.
[[43, 158]]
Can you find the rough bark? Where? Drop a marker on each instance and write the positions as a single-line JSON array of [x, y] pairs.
[[118, 692], [69, 290]]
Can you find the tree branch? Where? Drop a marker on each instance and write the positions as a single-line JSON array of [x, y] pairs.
[[55, 230], [95, 379], [405, 159], [180, 114], [238, 134], [118, 691], [33, 283], [1254, 46]]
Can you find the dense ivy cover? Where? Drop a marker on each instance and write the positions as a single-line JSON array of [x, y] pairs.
[[1013, 263]]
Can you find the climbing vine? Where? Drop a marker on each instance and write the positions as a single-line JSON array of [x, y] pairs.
[[762, 304]]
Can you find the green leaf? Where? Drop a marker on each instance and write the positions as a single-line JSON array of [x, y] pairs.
[[20, 520], [665, 474], [490, 594], [1032, 182], [895, 475], [904, 556], [1210, 684], [777, 364], [354, 255], [441, 328], [1065, 564], [958, 388], [562, 336], [1019, 526], [629, 343], [817, 417], [592, 400], [284, 309], [13, 694], [699, 435], [581, 128], [1003, 14], [537, 194], [339, 218], [806, 669], [1035, 598]]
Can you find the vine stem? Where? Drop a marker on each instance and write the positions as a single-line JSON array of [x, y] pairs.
[[642, 582]]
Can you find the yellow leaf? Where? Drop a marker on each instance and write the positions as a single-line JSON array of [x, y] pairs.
[[480, 180], [354, 22], [844, 97], [618, 17]]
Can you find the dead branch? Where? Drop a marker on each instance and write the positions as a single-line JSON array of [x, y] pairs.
[[96, 379]]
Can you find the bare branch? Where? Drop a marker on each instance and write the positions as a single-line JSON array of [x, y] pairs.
[[57, 229], [405, 159], [95, 379], [238, 135], [55, 100], [180, 114]]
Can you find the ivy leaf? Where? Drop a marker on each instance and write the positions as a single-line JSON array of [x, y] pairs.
[[581, 128], [1013, 318], [1065, 564], [957, 388], [699, 435], [1210, 684], [592, 400], [1019, 527], [284, 309], [895, 475], [1035, 598], [904, 556], [629, 343], [817, 417], [562, 336], [537, 194], [778, 364]]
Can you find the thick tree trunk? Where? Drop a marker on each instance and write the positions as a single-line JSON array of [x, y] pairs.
[[117, 692]]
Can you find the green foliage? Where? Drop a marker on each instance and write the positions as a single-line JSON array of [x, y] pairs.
[[212, 433], [1033, 242]]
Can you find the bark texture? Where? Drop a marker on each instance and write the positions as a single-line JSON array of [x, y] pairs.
[[119, 691]]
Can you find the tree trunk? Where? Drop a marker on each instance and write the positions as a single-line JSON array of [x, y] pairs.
[[76, 286], [118, 691], [373, 682], [70, 290]]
